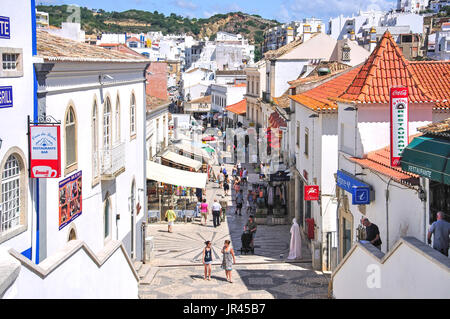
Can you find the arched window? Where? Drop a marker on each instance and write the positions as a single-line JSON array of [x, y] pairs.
[[95, 158], [107, 124], [71, 141], [107, 219], [133, 115], [117, 120], [10, 204]]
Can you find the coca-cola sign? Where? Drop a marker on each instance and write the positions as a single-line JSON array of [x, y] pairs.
[[311, 192], [399, 123]]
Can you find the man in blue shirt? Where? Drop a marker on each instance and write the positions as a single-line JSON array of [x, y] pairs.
[[441, 231]]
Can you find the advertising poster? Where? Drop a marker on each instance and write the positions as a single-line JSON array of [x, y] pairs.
[[399, 123], [70, 199], [45, 151]]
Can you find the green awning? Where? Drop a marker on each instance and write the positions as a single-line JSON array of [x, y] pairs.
[[209, 149], [428, 157]]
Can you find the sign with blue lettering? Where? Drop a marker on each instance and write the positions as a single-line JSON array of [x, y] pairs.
[[361, 192], [5, 31], [6, 96]]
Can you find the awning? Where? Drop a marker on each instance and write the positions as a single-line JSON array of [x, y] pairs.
[[173, 176], [197, 151], [428, 157], [182, 160]]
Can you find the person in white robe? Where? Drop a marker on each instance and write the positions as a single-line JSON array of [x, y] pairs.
[[295, 251]]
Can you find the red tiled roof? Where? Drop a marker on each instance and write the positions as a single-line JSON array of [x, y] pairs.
[[435, 77], [238, 108], [319, 97], [54, 48], [133, 39], [386, 67], [276, 121], [379, 161]]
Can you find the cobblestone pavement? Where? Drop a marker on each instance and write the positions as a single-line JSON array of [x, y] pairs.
[[177, 270], [261, 281]]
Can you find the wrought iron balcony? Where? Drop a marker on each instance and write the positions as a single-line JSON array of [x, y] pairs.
[[266, 97], [112, 161]]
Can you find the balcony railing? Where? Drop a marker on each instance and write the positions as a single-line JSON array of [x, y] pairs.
[[112, 161], [266, 97]]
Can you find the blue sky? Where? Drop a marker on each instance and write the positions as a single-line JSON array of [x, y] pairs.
[[282, 10]]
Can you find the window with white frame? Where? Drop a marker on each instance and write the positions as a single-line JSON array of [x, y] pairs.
[[107, 124], [95, 141], [10, 204], [70, 131], [117, 120], [133, 115]]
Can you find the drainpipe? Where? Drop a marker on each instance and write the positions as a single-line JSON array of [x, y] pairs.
[[387, 214], [35, 117]]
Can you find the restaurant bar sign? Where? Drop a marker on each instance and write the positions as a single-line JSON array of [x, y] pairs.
[[399, 123], [362, 193], [5, 31], [45, 151], [6, 96]]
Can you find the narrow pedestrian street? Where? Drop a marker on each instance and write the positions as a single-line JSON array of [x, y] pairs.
[[176, 271]]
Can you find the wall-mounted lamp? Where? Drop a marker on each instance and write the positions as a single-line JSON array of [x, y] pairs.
[[1, 141]]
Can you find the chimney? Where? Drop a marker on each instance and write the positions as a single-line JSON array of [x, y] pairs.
[[373, 39], [290, 35], [306, 32]]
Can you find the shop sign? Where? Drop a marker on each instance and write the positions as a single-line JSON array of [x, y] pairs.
[[311, 192], [45, 151], [5, 31], [280, 176], [399, 123], [70, 199], [361, 193], [6, 96]]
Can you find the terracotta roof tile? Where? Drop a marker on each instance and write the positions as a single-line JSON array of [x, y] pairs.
[[238, 108], [379, 161], [54, 48], [319, 97], [441, 128], [385, 63]]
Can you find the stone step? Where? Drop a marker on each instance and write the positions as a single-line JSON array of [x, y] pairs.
[[148, 278], [144, 270], [137, 265]]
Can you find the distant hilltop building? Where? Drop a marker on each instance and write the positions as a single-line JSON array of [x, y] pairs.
[[414, 6], [279, 36]]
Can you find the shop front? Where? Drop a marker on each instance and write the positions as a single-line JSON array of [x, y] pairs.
[[167, 186], [428, 156]]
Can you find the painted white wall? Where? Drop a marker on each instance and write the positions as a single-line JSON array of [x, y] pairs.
[[286, 70], [13, 120], [409, 271], [90, 225], [81, 278]]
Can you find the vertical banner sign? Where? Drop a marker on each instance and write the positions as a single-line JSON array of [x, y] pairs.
[[5, 31], [45, 151], [70, 199], [399, 123], [312, 192]]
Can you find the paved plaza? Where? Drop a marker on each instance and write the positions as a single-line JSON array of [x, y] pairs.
[[177, 269]]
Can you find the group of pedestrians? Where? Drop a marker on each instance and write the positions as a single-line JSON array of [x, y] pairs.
[[228, 259], [215, 209]]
